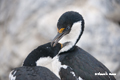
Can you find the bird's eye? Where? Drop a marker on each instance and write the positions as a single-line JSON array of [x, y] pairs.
[[68, 28]]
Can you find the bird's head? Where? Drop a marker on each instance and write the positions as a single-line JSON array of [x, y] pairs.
[[45, 51], [70, 27]]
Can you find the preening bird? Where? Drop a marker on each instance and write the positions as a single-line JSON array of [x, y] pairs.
[[31, 69], [42, 55], [70, 28], [38, 65], [66, 60]]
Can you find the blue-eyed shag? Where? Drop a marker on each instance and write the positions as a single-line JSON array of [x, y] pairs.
[[41, 56], [71, 62], [70, 27]]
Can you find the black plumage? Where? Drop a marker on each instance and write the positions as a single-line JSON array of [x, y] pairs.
[[33, 73], [67, 74], [30, 70], [40, 52], [84, 65]]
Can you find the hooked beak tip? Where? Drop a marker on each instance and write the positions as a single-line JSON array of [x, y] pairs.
[[56, 39], [53, 44]]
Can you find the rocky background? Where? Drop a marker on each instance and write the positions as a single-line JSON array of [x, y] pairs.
[[26, 24]]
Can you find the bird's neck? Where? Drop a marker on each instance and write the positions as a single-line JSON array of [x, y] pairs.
[[72, 37]]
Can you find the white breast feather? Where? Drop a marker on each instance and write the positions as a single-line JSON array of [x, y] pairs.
[[45, 62]]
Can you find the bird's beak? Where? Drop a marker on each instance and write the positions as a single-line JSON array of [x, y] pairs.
[[57, 38], [64, 44]]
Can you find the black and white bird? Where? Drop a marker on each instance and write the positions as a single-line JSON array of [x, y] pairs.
[[38, 65], [70, 28], [67, 61], [42, 55], [31, 70]]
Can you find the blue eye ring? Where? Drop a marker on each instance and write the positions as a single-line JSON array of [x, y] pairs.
[[68, 28]]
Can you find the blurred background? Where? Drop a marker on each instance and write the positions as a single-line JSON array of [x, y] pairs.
[[26, 24]]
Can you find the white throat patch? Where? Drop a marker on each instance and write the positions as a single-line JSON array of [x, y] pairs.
[[52, 64], [71, 37], [45, 62]]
